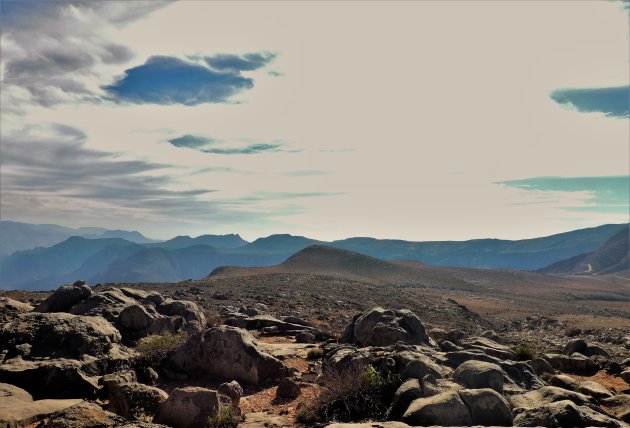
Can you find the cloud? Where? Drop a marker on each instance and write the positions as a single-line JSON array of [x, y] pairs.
[[238, 63], [56, 51], [170, 80], [209, 145], [306, 173], [52, 160], [614, 102], [607, 194]]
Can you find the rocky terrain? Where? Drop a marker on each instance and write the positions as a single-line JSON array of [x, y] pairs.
[[329, 338]]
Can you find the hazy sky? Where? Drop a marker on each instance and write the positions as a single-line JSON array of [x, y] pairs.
[[414, 120]]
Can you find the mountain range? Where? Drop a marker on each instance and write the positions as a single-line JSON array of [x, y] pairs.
[[100, 259]]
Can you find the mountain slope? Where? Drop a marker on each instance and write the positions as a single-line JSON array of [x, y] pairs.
[[216, 241], [16, 236], [612, 257]]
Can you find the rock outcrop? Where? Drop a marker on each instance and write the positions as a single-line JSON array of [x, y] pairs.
[[227, 353]]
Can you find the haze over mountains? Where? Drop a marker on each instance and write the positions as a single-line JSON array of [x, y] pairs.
[[98, 256]]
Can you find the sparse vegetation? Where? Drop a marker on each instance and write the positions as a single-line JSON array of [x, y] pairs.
[[226, 417], [350, 395], [155, 349], [212, 318], [524, 352], [315, 354]]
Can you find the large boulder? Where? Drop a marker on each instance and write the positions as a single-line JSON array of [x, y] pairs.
[[186, 309], [233, 391], [478, 374], [227, 353], [58, 335], [381, 327], [489, 347], [90, 415], [546, 395], [487, 407], [576, 363], [43, 378], [574, 345], [594, 389], [134, 400], [564, 413], [10, 308], [406, 393], [446, 409], [66, 296], [17, 408], [107, 303], [188, 407], [619, 406]]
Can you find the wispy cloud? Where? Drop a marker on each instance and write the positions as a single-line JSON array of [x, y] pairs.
[[213, 146], [238, 63], [614, 102], [608, 194], [305, 173]]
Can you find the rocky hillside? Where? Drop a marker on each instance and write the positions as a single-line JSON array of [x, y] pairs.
[[612, 257], [122, 356]]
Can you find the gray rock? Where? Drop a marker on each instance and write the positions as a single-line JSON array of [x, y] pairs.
[[188, 407], [619, 406], [563, 413], [65, 297], [446, 409], [594, 389], [148, 376], [10, 308], [405, 394], [540, 366], [60, 334], [564, 381], [487, 407], [478, 374], [422, 366], [288, 389], [233, 391], [574, 345], [593, 350], [625, 375], [546, 395], [380, 327], [133, 400], [228, 353], [577, 362]]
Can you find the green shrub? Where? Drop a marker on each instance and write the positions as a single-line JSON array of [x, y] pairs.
[[152, 350], [226, 417], [524, 352], [350, 395]]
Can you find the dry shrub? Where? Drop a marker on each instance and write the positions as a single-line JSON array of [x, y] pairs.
[[350, 395], [212, 318], [153, 350], [226, 417], [524, 352], [315, 354]]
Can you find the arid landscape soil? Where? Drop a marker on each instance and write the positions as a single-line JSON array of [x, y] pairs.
[[557, 347]]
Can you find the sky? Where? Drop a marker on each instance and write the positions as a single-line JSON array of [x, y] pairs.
[[409, 120]]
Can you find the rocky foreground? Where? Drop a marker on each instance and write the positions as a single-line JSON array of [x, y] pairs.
[[127, 357]]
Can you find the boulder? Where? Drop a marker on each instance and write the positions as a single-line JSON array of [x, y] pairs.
[[112, 379], [17, 408], [574, 345], [406, 393], [63, 298], [107, 303], [186, 309], [422, 366], [42, 378], [546, 395], [227, 353], [594, 389], [288, 389], [593, 350], [625, 375], [380, 327], [487, 407], [478, 374], [134, 400], [10, 309], [619, 406], [576, 363], [563, 413], [489, 347], [188, 407], [84, 415], [148, 376], [432, 386], [540, 366], [564, 381], [446, 409], [135, 317], [59, 335], [233, 391]]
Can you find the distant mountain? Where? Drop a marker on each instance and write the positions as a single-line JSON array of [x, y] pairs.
[[216, 241], [183, 257], [613, 256], [16, 236]]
